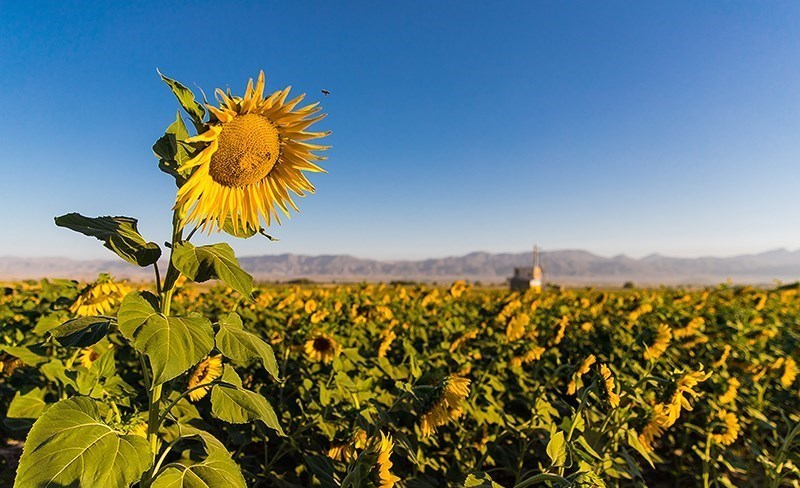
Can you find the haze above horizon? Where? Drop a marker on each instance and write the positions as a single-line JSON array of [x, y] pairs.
[[618, 128]]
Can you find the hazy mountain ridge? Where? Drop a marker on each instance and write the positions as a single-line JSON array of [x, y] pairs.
[[563, 266]]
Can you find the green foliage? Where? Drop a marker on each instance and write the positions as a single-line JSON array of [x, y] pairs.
[[216, 261], [172, 344], [119, 234], [70, 444], [82, 331]]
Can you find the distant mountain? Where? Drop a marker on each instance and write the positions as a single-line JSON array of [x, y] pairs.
[[566, 267]]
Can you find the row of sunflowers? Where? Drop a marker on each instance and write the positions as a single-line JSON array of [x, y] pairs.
[[424, 386]]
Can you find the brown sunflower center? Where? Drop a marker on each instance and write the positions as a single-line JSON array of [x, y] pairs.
[[249, 146], [322, 344]]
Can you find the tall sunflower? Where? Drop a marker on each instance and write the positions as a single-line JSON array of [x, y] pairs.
[[252, 154], [444, 404], [205, 372]]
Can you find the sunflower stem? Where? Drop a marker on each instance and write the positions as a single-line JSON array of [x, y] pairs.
[[154, 403]]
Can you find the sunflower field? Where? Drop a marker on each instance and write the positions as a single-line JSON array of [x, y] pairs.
[[424, 386]]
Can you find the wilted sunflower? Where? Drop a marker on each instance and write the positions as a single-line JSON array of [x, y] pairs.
[[99, 298], [205, 372], [322, 347], [255, 154], [730, 425], [445, 404]]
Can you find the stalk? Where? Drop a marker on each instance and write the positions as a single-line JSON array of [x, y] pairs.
[[154, 404]]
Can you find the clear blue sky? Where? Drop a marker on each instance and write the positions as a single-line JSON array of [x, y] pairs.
[[631, 127]]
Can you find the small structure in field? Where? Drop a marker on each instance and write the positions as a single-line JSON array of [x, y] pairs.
[[528, 278]]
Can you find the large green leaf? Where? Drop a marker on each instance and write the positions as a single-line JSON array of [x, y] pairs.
[[232, 403], [186, 99], [172, 151], [216, 261], [216, 470], [241, 346], [119, 235], [81, 332], [557, 449], [172, 344], [70, 445], [30, 355], [25, 408]]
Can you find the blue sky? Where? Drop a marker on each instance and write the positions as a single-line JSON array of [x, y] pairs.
[[629, 127]]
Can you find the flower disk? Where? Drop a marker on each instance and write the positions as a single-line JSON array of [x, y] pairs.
[[251, 155]]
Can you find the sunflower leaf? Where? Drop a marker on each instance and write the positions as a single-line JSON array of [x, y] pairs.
[[216, 261], [217, 469], [231, 403], [70, 445], [239, 345], [119, 234], [171, 150], [25, 408], [172, 344], [81, 332], [186, 99]]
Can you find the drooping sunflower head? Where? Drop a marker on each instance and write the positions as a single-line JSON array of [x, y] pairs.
[[251, 156], [205, 372], [609, 385], [322, 347], [444, 404], [99, 298]]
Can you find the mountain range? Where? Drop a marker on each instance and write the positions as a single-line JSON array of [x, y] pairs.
[[568, 267]]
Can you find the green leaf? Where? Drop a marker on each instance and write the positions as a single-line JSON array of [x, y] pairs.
[[186, 99], [241, 346], [171, 149], [585, 445], [172, 344], [480, 480], [70, 445], [29, 355], [25, 409], [557, 449], [216, 261], [119, 235], [81, 332], [216, 470], [232, 403]]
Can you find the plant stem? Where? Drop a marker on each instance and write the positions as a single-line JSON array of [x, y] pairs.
[[154, 403], [541, 477]]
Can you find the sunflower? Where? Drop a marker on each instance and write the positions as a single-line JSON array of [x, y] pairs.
[[660, 343], [610, 387], [205, 372], [582, 370], [322, 347], [730, 430], [99, 298], [87, 356], [445, 404], [654, 428], [516, 326], [383, 465], [731, 392], [386, 343], [458, 288], [253, 152], [684, 386]]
